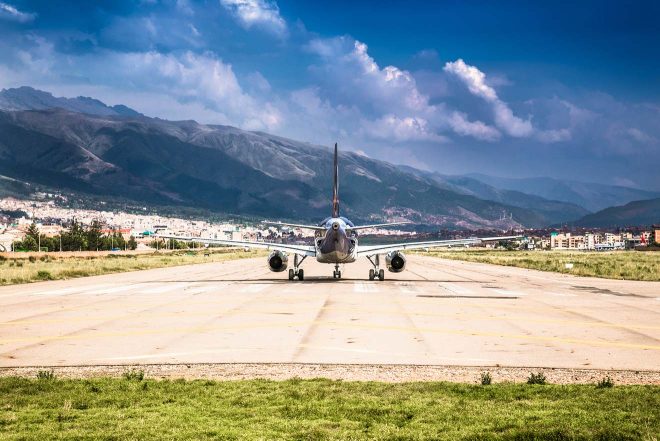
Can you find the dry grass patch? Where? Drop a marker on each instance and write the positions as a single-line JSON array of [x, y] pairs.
[[14, 270], [627, 265]]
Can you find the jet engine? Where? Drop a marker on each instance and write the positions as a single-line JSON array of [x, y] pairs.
[[396, 261], [277, 261]]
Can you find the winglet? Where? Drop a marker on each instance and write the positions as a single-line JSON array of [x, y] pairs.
[[335, 188]]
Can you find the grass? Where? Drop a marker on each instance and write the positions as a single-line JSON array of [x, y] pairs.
[[628, 265], [322, 409], [14, 270]]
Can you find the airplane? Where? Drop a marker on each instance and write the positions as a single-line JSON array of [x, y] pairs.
[[336, 242]]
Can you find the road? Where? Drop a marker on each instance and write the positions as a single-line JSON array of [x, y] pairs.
[[437, 312]]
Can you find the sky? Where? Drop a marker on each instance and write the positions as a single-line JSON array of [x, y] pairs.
[[569, 90]]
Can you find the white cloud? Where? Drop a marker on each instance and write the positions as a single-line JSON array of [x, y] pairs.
[[553, 135], [640, 136], [475, 80], [260, 13], [461, 125], [389, 102], [393, 128], [203, 78], [10, 12]]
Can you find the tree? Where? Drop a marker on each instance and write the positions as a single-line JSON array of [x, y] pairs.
[[74, 238], [94, 236], [132, 243], [32, 233]]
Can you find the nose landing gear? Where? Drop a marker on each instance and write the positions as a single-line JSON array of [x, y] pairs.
[[336, 274]]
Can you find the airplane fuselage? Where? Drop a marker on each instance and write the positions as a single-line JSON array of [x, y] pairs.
[[337, 244]]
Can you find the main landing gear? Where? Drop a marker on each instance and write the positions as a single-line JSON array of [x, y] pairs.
[[296, 271], [336, 274], [376, 271]]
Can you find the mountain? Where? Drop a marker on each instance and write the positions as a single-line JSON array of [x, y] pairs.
[[114, 152], [27, 98], [646, 212], [553, 212], [591, 196]]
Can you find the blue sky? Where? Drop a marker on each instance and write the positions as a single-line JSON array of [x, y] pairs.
[[505, 88]]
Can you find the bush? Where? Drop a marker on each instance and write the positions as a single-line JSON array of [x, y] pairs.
[[606, 382], [134, 375], [44, 275], [46, 375], [486, 378], [537, 378], [32, 259]]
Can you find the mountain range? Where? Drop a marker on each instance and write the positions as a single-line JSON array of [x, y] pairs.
[[83, 145]]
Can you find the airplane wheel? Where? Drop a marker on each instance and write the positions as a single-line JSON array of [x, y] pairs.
[[339, 274], [301, 275], [372, 274], [381, 275], [290, 274]]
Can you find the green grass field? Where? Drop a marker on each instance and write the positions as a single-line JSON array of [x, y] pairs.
[[628, 265], [15, 270], [322, 409]]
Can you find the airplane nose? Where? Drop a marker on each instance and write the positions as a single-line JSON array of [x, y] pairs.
[[335, 226]]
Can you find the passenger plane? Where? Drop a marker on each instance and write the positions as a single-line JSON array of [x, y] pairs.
[[336, 242]]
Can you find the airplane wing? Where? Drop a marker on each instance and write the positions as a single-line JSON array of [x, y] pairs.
[[303, 250], [389, 224], [284, 224], [369, 250]]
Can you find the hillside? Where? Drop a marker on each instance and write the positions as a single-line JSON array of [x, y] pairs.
[[108, 151], [645, 212], [553, 212], [592, 196]]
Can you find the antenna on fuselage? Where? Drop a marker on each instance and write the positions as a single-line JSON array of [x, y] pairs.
[[335, 188]]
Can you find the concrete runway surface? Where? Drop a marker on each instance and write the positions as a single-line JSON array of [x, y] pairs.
[[437, 312]]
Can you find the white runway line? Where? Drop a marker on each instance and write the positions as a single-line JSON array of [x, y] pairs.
[[162, 288], [507, 292], [456, 289], [106, 290]]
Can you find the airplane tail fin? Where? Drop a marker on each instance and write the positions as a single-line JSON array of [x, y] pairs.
[[335, 188]]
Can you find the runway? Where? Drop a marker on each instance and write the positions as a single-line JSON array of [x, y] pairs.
[[437, 312]]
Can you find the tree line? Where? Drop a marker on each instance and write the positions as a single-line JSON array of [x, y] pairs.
[[76, 238]]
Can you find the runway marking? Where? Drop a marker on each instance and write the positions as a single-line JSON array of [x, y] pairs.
[[456, 289], [508, 292], [334, 324], [162, 288], [110, 290]]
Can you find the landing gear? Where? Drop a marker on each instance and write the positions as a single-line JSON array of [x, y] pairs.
[[296, 271], [336, 274], [376, 271]]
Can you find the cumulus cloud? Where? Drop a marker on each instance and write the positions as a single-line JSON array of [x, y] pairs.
[[388, 98], [203, 78], [475, 80], [10, 12], [260, 13]]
